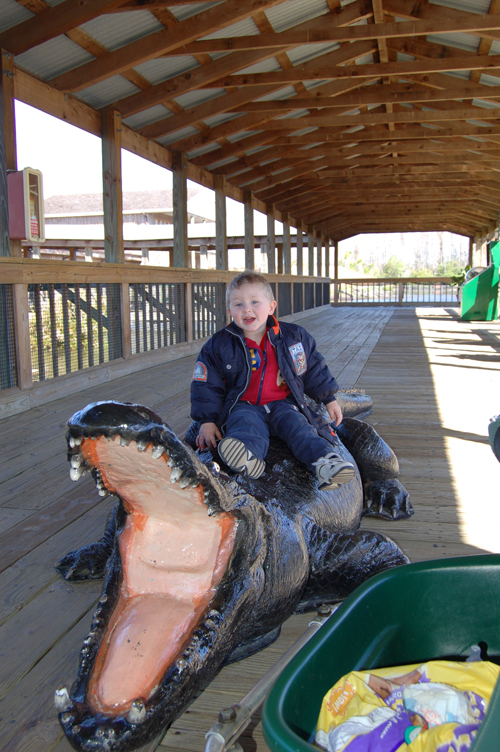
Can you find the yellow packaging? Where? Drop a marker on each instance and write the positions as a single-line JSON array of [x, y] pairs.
[[365, 710]]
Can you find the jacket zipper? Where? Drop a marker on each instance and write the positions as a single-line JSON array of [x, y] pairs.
[[249, 368], [263, 373]]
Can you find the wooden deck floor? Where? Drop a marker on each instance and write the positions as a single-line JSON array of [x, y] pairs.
[[435, 381]]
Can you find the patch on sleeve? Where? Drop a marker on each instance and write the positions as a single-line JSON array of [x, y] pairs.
[[299, 358], [200, 372]]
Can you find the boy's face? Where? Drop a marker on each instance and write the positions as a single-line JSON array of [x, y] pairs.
[[249, 307]]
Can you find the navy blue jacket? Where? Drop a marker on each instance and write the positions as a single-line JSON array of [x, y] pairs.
[[222, 373]]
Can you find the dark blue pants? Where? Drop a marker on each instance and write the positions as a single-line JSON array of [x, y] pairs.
[[253, 424]]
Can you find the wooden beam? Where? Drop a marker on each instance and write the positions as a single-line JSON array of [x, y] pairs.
[[310, 243], [7, 147], [319, 256], [174, 36], [179, 183], [287, 251], [112, 187], [488, 63], [53, 22], [300, 249], [271, 240], [221, 257], [249, 231]]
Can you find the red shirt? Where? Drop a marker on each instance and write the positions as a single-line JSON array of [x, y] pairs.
[[266, 382]]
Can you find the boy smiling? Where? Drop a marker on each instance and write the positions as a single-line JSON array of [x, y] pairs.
[[249, 382]]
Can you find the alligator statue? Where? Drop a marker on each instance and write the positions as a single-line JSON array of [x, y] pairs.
[[201, 566]]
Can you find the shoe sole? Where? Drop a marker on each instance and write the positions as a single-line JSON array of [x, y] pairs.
[[235, 454], [343, 476]]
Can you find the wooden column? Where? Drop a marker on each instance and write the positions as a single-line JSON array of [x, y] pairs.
[[220, 222], [125, 320], [249, 234], [112, 186], [271, 240], [335, 271], [319, 255], [179, 199], [287, 251], [471, 252], [300, 250], [327, 257], [22, 337], [310, 243], [8, 152], [279, 249]]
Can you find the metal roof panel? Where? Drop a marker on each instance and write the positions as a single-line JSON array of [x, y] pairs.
[[146, 117], [53, 57], [181, 12], [13, 13], [115, 30], [107, 91], [294, 12], [161, 68]]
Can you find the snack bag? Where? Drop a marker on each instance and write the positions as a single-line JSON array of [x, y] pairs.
[[416, 708]]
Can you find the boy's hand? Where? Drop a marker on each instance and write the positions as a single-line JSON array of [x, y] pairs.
[[334, 412], [207, 438]]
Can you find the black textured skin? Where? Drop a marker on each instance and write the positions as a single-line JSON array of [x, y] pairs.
[[295, 549]]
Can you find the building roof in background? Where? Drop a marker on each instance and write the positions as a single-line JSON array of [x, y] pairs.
[[134, 201]]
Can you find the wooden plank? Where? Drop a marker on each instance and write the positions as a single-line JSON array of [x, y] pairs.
[[179, 199], [28, 577], [221, 258], [112, 187], [271, 240], [249, 231]]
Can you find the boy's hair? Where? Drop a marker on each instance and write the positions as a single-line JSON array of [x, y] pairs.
[[248, 277]]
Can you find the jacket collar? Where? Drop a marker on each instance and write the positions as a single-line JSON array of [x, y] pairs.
[[272, 322]]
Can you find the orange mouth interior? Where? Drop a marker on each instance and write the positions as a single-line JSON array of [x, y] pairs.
[[173, 556]]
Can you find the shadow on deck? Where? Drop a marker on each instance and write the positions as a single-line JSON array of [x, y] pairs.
[[434, 381]]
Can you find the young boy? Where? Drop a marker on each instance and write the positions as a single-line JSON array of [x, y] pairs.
[[249, 383]]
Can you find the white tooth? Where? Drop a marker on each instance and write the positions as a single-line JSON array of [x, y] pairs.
[[170, 462], [157, 452], [102, 492], [75, 473], [61, 699], [76, 460], [184, 482], [175, 474], [137, 712], [75, 441], [124, 442], [141, 446]]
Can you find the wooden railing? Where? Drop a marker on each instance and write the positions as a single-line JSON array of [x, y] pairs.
[[67, 318], [394, 291]]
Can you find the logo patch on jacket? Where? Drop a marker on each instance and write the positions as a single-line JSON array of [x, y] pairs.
[[200, 372], [299, 358], [255, 359]]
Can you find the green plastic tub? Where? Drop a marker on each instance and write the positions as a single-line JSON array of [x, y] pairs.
[[411, 614]]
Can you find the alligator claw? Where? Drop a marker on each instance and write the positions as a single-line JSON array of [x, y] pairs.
[[388, 499]]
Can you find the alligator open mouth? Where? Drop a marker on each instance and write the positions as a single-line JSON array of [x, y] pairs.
[[174, 547]]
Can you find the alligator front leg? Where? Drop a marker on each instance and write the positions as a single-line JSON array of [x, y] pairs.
[[384, 495], [89, 562]]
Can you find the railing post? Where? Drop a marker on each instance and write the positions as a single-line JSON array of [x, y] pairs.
[[300, 250], [336, 271], [271, 240], [287, 252], [22, 337], [220, 222], [112, 186], [188, 308], [125, 311], [401, 291], [249, 233]]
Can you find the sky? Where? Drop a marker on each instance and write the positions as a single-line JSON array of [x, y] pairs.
[[70, 158]]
